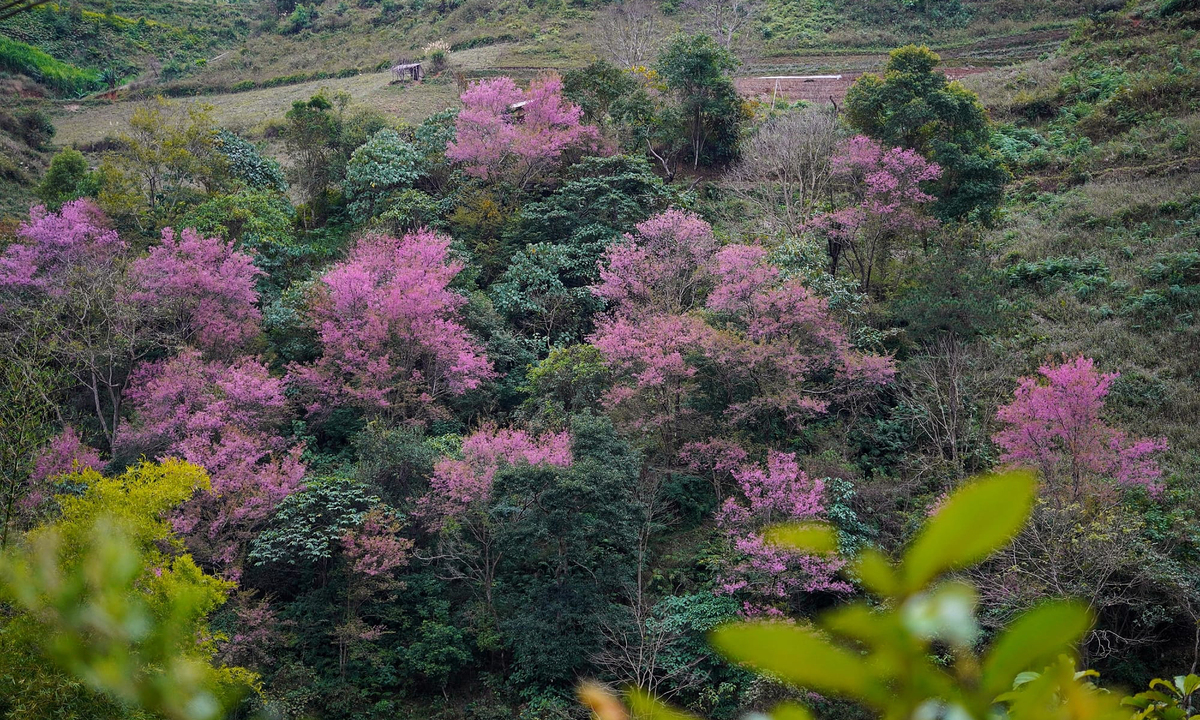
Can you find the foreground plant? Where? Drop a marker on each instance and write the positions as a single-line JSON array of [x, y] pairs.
[[913, 653]]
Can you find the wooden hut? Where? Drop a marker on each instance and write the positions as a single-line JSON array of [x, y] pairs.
[[408, 70]]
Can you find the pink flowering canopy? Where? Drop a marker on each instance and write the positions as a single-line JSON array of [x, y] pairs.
[[662, 268], [49, 244], [768, 575], [224, 418], [375, 548], [206, 287], [504, 130], [459, 484], [65, 454], [883, 200], [682, 309], [389, 329], [1054, 425]]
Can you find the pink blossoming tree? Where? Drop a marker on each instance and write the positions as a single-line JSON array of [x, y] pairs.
[[65, 454], [459, 503], [504, 131], [224, 418], [685, 315], [1054, 425], [389, 330], [766, 575], [203, 288], [373, 552], [65, 302], [881, 202], [49, 245]]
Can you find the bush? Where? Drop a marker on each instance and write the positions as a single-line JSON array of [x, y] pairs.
[[64, 180]]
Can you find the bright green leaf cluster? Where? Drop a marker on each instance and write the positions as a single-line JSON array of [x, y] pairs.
[[882, 655], [105, 594], [1167, 699]]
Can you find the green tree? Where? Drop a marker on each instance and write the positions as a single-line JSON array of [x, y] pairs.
[[313, 136], [914, 106], [545, 290], [166, 161], [247, 165], [696, 71], [108, 614], [597, 88], [261, 223], [66, 180], [569, 556], [384, 165]]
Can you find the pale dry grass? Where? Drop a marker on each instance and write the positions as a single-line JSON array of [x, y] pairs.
[[250, 110], [1000, 89]]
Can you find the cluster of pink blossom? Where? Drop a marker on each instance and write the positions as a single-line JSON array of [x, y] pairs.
[[769, 575], [763, 341], [884, 200], [661, 269], [64, 455], [51, 243], [387, 322], [224, 418], [375, 549], [503, 129], [1054, 425], [457, 484], [204, 286]]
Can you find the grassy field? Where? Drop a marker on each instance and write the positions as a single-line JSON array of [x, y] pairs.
[[82, 125]]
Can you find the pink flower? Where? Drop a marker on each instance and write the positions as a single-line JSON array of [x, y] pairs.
[[1054, 425], [206, 285], [388, 325], [505, 130]]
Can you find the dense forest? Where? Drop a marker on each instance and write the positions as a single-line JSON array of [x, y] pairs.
[[578, 376]]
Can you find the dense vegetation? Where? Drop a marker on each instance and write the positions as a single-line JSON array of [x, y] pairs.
[[586, 377]]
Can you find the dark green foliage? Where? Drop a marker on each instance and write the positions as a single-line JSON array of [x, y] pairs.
[[570, 557], [599, 194], [914, 106], [66, 180], [396, 460], [690, 618], [247, 165], [953, 292], [306, 526], [597, 88], [261, 222], [320, 139], [567, 382], [545, 291], [696, 70], [692, 498], [430, 138]]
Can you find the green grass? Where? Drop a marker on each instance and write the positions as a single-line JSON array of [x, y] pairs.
[[18, 57]]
